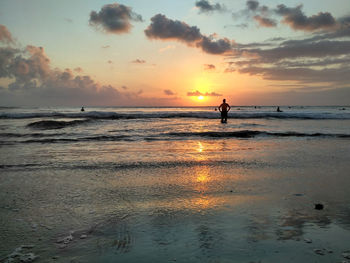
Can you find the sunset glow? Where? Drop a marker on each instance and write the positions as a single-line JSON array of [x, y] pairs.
[[133, 53]]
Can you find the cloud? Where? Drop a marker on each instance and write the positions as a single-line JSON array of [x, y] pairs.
[[169, 92], [5, 35], [212, 46], [209, 67], [252, 5], [167, 48], [304, 48], [276, 39], [297, 20], [242, 25], [32, 81], [322, 57], [25, 70], [139, 61], [114, 18], [301, 74], [206, 7], [198, 93], [265, 22], [342, 30], [166, 29], [292, 16]]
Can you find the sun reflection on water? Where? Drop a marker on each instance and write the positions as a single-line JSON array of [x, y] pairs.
[[200, 147]]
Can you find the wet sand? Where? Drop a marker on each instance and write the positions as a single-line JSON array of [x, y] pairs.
[[257, 205]]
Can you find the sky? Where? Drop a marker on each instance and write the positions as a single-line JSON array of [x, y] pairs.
[[174, 53]]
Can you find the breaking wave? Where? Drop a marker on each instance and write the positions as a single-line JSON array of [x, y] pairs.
[[49, 124]]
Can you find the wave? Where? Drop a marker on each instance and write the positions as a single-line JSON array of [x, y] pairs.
[[192, 114], [24, 135], [49, 124], [82, 139], [244, 134], [132, 165], [251, 134]]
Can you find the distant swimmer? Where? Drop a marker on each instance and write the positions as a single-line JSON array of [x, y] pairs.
[[278, 109], [224, 108], [82, 109]]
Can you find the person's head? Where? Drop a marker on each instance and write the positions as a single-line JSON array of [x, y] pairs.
[[224, 100]]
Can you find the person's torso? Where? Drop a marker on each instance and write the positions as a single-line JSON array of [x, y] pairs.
[[224, 107]]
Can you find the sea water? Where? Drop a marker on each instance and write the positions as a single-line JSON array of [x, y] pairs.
[[165, 184]]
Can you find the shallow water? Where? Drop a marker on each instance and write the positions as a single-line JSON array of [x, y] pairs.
[[156, 197]]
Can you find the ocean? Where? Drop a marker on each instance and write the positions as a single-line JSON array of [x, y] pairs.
[[166, 184]]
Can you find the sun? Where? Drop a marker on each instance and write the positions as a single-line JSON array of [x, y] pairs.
[[201, 97]]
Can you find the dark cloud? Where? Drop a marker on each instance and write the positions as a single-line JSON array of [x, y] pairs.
[[265, 22], [304, 48], [164, 28], [167, 29], [213, 46], [276, 39], [254, 45], [252, 5], [169, 92], [206, 7], [292, 16], [198, 93], [341, 31], [328, 61], [209, 67], [297, 20], [139, 61], [5, 35], [114, 18], [6, 57], [308, 75]]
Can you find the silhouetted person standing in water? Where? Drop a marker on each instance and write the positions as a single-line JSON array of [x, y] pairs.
[[224, 108]]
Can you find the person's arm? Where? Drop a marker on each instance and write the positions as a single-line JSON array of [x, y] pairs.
[[220, 107]]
